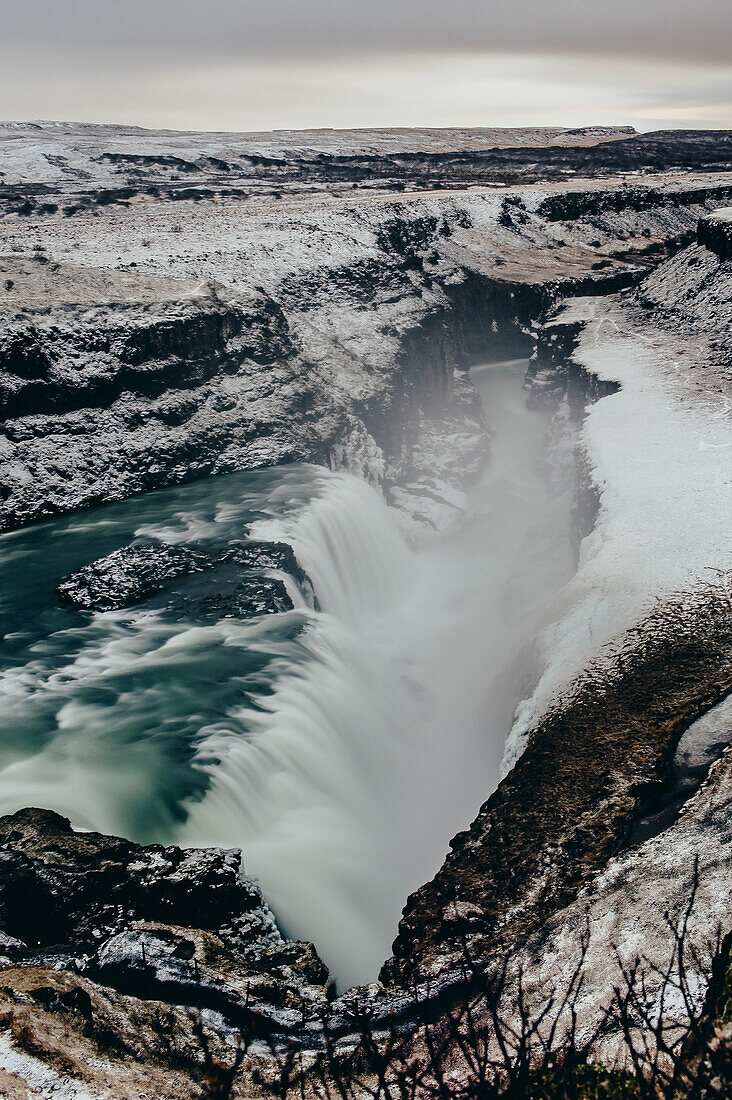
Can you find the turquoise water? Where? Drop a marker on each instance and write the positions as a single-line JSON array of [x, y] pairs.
[[102, 712]]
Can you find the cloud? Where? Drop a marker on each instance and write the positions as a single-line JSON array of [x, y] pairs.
[[239, 64], [413, 90], [698, 32]]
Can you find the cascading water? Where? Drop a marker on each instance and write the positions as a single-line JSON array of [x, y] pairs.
[[339, 748]]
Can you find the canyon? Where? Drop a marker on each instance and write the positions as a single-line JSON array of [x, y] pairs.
[[319, 308]]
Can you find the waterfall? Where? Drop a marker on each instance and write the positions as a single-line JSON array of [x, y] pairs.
[[314, 790], [345, 782], [340, 746]]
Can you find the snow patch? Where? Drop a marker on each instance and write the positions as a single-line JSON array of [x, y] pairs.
[[44, 1081]]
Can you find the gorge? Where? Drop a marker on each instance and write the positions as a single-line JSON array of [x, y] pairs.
[[342, 571]]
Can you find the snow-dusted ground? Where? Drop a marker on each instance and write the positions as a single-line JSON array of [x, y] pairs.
[[660, 455], [41, 1080], [51, 151], [659, 450], [629, 911], [349, 300]]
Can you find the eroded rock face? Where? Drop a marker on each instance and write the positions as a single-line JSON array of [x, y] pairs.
[[183, 926], [228, 337], [61, 888], [161, 955], [715, 233], [110, 398], [564, 808]]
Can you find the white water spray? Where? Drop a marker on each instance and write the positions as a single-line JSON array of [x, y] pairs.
[[365, 759]]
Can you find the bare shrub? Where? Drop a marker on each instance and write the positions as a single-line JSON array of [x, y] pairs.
[[486, 1039]]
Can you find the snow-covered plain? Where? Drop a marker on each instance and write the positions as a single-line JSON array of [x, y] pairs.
[[50, 151]]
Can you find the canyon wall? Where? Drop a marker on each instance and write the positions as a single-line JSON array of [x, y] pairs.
[[138, 351]]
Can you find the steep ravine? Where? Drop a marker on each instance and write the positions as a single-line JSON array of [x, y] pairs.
[[104, 402], [500, 883], [131, 926], [602, 747], [320, 334]]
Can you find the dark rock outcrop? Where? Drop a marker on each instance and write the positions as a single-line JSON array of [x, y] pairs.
[[239, 578], [183, 926], [106, 400], [61, 890], [553, 376], [715, 233]]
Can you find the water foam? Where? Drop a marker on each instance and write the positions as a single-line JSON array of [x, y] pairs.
[[363, 761], [340, 747]]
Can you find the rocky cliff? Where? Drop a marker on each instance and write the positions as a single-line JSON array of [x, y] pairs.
[[715, 233], [560, 838], [140, 348]]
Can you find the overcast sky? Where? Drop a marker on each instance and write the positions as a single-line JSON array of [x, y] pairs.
[[264, 64]]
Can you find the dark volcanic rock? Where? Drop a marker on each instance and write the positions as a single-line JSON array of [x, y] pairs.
[[715, 233], [163, 925], [260, 993], [129, 575], [239, 573], [124, 395], [65, 890], [183, 926]]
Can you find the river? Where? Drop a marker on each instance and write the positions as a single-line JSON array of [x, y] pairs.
[[341, 748]]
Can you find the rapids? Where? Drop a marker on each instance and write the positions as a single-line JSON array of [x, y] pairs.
[[341, 747]]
